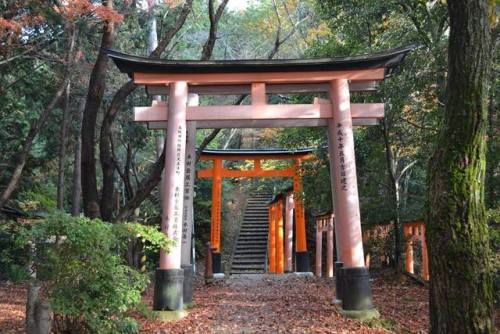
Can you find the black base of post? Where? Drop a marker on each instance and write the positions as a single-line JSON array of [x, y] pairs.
[[187, 288], [302, 262], [217, 263], [338, 280], [356, 289], [168, 290]]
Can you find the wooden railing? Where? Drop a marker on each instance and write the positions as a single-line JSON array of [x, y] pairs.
[[324, 223], [415, 231]]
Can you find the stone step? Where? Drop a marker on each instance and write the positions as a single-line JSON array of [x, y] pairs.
[[253, 252], [250, 256], [260, 245], [248, 266], [248, 242], [256, 228], [251, 247], [253, 233], [237, 261], [252, 241]]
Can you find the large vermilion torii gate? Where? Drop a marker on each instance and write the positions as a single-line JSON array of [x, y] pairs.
[[217, 172], [336, 76]]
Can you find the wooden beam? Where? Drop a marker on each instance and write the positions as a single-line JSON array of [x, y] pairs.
[[271, 123], [157, 112], [242, 89], [233, 173], [237, 157], [265, 77]]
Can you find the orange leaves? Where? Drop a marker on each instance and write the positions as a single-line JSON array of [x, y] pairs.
[[15, 25], [173, 3], [74, 9]]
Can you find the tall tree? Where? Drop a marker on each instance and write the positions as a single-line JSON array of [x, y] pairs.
[[97, 86], [461, 296]]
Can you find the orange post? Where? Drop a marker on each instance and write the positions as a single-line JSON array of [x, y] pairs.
[[319, 246], [301, 254], [300, 221], [408, 233], [280, 256], [329, 248], [425, 256], [272, 240], [215, 225]]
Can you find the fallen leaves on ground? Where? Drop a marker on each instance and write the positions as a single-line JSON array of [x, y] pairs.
[[292, 304], [267, 304], [12, 308]]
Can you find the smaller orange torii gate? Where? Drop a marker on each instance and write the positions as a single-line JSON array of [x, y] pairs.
[[217, 172], [415, 231]]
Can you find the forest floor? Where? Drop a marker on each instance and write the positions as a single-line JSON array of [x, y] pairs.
[[295, 304], [268, 304]]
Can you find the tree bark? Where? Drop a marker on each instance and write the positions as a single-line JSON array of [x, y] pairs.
[[62, 149], [461, 285], [97, 86], [214, 16], [77, 165]]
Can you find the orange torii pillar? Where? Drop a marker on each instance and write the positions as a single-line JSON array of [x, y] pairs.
[[355, 292], [216, 217], [271, 252], [275, 252], [169, 277], [416, 231], [289, 208], [324, 223], [280, 257], [301, 254]]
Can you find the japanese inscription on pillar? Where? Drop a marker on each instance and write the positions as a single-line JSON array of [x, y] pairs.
[[187, 196], [177, 212], [341, 153]]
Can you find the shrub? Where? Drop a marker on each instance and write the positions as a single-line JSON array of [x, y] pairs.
[[13, 256], [85, 277]]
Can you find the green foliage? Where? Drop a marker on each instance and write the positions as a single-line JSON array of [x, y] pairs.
[[13, 256], [39, 198], [87, 279]]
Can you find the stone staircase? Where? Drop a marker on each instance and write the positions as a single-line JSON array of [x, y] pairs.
[[249, 256]]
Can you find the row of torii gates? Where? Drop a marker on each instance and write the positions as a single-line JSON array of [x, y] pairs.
[[182, 81]]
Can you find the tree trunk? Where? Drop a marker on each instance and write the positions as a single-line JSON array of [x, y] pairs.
[[62, 149], [392, 166], [97, 86], [461, 285], [77, 165]]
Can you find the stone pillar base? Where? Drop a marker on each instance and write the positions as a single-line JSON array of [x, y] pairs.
[[361, 315], [338, 282], [168, 290], [167, 316], [187, 287], [356, 290], [217, 263], [302, 262]]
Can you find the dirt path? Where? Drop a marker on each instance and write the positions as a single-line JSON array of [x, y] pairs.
[[291, 304], [266, 304]]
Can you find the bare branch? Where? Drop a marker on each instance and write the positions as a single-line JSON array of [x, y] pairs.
[[208, 48]]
